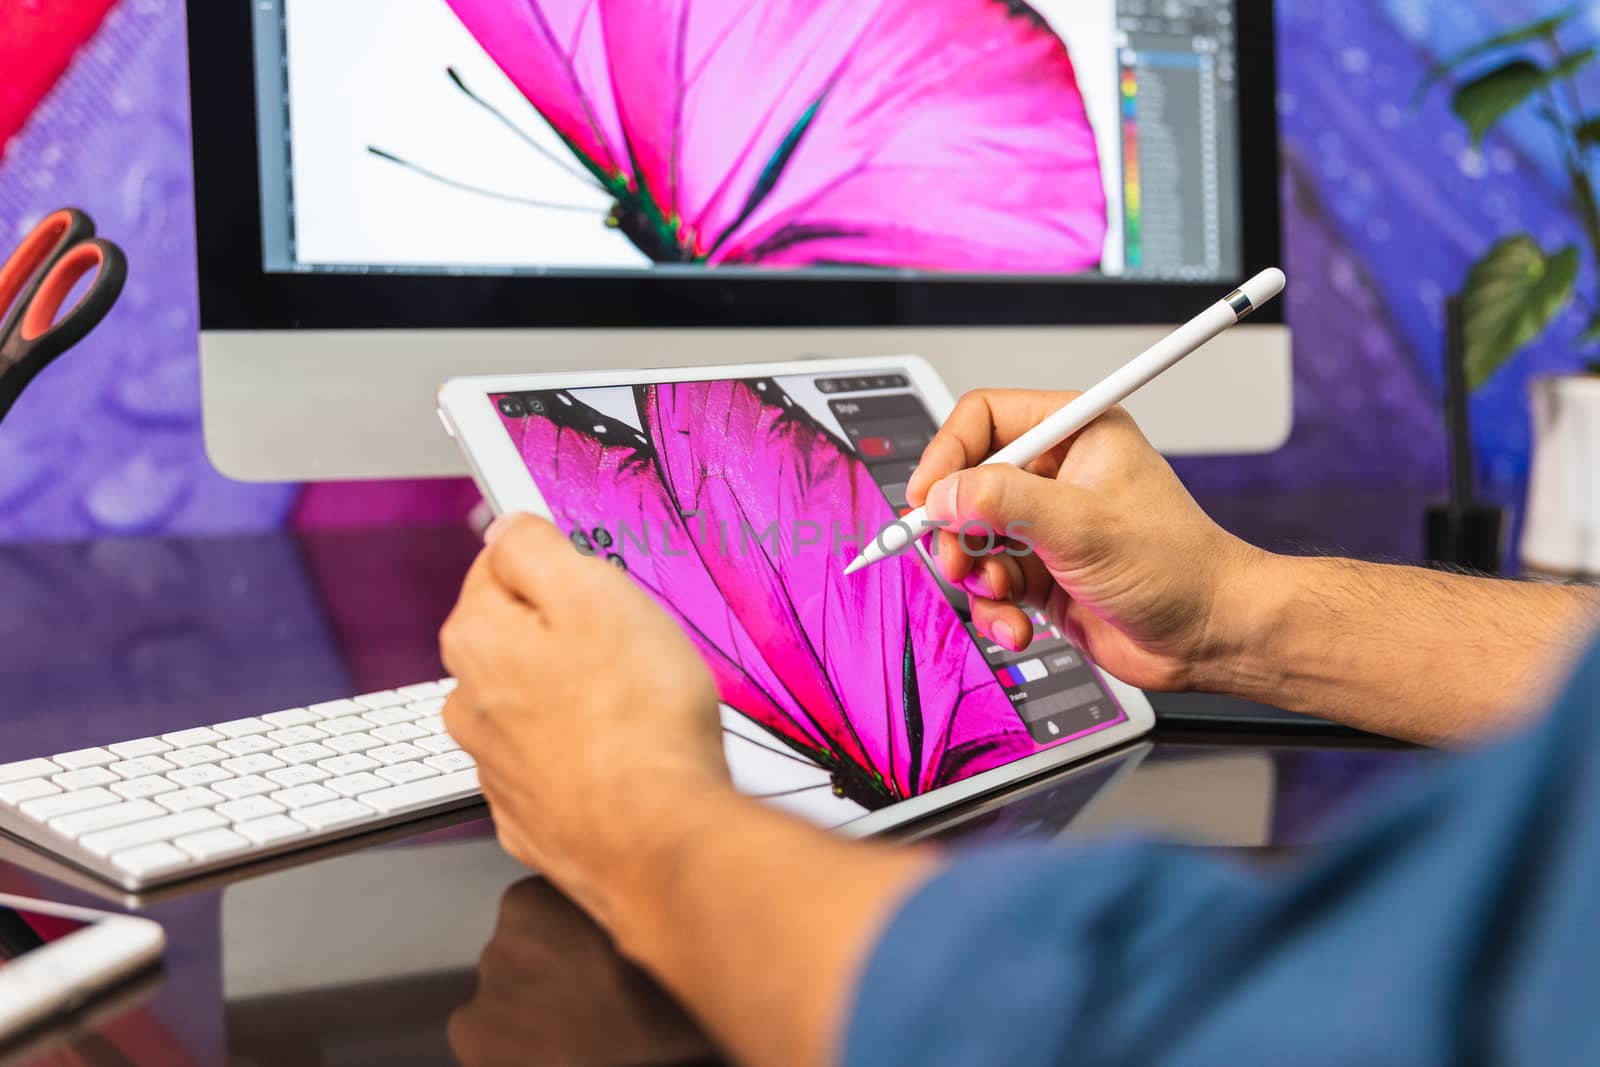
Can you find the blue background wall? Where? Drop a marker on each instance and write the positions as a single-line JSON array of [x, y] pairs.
[[1385, 208]]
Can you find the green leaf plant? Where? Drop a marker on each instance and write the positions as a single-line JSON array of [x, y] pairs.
[[1517, 288]]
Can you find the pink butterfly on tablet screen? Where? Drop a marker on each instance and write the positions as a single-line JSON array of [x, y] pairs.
[[873, 678], [927, 134]]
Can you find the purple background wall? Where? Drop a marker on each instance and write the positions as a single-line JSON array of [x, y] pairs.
[[1385, 207]]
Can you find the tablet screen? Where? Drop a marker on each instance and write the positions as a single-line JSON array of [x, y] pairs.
[[737, 504]]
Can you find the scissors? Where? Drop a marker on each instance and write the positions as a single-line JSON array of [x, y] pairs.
[[35, 282]]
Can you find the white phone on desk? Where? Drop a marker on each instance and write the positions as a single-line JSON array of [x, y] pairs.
[[55, 958]]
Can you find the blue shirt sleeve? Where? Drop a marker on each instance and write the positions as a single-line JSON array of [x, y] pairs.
[[1457, 922]]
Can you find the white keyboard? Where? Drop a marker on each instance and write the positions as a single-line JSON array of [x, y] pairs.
[[159, 809]]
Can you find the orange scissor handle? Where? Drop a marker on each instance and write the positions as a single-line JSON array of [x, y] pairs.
[[55, 232], [34, 284]]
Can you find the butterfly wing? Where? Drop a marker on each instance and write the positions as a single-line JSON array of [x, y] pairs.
[[758, 489], [938, 134], [554, 52], [880, 659]]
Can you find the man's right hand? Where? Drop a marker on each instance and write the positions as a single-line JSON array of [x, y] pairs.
[[1121, 556]]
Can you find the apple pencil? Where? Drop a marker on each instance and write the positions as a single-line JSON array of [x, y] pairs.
[[1079, 412]]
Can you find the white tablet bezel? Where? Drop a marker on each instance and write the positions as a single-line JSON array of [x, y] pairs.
[[62, 975], [506, 483]]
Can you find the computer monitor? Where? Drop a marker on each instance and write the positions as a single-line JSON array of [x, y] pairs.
[[390, 192]]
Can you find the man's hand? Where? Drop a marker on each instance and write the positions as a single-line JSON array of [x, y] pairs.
[[583, 702], [1121, 556], [1163, 598]]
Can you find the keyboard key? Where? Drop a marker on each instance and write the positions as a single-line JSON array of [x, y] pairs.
[[391, 716], [212, 844], [145, 746], [438, 743], [248, 808], [290, 717], [401, 753], [205, 774], [247, 746], [105, 817], [243, 727], [189, 799], [14, 793], [108, 842], [431, 724], [140, 788], [250, 785], [401, 773], [345, 724], [85, 778], [334, 814], [296, 735], [84, 757], [331, 709], [400, 731], [417, 794], [141, 767], [303, 796], [260, 763], [194, 757], [308, 753], [46, 808], [446, 762], [272, 829], [28, 768], [448, 685], [386, 698], [427, 707], [353, 742], [300, 774], [149, 860], [200, 735], [348, 764], [421, 691], [353, 785]]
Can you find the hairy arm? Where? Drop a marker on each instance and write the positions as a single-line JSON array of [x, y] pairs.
[[1163, 598], [1414, 653]]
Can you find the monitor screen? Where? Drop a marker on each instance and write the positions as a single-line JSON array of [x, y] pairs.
[[827, 138]]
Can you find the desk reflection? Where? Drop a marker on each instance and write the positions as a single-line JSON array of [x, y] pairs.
[[553, 991]]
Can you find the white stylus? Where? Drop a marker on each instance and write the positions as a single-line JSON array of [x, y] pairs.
[[1079, 412]]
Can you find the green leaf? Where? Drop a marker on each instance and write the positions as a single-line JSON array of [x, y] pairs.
[[1511, 295], [1486, 99], [1570, 66], [1531, 31]]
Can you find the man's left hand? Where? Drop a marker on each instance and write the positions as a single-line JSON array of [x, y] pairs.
[[582, 700]]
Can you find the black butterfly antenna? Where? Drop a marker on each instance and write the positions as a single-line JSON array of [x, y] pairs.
[[480, 190], [522, 135]]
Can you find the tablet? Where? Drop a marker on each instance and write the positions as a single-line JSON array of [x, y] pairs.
[[55, 958], [735, 496]]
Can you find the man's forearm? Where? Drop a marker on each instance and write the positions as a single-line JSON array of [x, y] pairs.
[[757, 921], [1404, 651]]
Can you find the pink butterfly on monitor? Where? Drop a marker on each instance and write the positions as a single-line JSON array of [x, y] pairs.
[[872, 678], [945, 135]]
